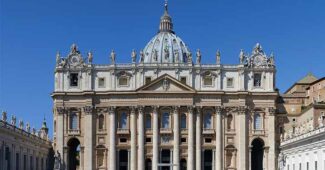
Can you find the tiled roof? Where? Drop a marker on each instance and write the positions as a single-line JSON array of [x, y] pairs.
[[307, 79]]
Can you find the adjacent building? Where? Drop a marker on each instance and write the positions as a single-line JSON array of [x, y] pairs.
[[303, 138], [23, 147], [165, 111]]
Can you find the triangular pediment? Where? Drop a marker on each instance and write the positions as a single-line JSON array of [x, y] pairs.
[[166, 83]]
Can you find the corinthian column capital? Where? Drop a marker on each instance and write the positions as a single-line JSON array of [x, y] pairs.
[[111, 109], [219, 109], [88, 110]]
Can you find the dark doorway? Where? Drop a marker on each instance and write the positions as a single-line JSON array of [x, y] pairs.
[[73, 154], [148, 165], [165, 159], [123, 160], [257, 154], [207, 163], [183, 164]]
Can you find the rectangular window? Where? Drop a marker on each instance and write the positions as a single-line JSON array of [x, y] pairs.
[[147, 80], [183, 140], [74, 79], [257, 80], [17, 161], [299, 166], [101, 82], [230, 82], [148, 140], [183, 80], [123, 140], [25, 162], [123, 81], [207, 81], [208, 140]]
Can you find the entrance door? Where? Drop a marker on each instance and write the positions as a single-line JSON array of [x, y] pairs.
[[148, 164], [165, 159], [207, 162], [123, 160], [257, 154]]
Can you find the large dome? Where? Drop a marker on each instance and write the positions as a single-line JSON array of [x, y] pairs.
[[166, 47]]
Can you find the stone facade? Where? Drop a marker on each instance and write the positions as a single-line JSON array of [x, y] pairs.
[[166, 110], [23, 147]]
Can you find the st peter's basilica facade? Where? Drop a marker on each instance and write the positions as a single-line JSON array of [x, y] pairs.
[[166, 110]]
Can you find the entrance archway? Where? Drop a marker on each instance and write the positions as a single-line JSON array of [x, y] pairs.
[[257, 154], [73, 154], [148, 164]]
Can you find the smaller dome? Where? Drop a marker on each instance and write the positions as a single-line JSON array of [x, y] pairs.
[[166, 47]]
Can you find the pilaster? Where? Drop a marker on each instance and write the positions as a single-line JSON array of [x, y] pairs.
[[89, 137]]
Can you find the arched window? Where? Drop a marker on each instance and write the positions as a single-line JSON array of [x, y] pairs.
[[101, 122], [165, 120], [148, 121], [123, 120], [229, 122], [183, 121], [207, 122], [73, 121], [257, 121]]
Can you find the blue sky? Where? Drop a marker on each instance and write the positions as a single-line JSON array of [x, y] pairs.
[[32, 31]]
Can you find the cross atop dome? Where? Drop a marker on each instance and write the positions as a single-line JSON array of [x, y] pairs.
[[166, 24]]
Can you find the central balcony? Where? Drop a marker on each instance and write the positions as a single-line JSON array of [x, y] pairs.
[[165, 131], [73, 131], [123, 131], [208, 131]]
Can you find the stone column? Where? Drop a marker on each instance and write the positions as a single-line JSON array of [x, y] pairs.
[[250, 157], [176, 139], [133, 140], [155, 139], [141, 162], [242, 138], [272, 156], [88, 138], [59, 133], [112, 133], [219, 139], [198, 139], [190, 160]]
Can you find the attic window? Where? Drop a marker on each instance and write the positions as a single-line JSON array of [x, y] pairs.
[[230, 82], [101, 82], [148, 80], [74, 79], [123, 81], [257, 80], [207, 81], [183, 80]]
